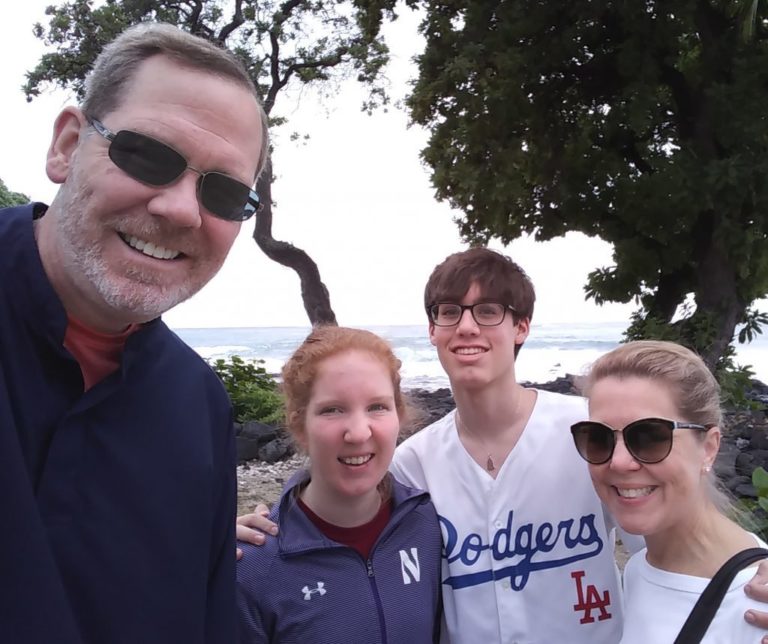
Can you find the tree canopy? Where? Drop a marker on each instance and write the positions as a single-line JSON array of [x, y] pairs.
[[294, 42], [642, 123], [10, 198]]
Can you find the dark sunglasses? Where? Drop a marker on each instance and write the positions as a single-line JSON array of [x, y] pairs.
[[157, 164], [648, 440]]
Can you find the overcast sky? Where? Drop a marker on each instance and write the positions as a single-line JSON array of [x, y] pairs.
[[355, 197]]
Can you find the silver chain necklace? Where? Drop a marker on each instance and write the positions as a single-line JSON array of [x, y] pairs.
[[489, 464]]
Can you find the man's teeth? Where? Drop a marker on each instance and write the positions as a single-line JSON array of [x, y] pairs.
[[634, 493], [468, 351], [148, 248], [356, 460]]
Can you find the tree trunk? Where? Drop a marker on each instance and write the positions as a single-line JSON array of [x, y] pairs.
[[717, 298], [670, 292], [317, 301]]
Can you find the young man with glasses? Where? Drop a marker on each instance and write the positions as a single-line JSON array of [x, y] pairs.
[[114, 433], [528, 549]]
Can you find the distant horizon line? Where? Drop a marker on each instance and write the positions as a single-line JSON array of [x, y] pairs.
[[534, 325]]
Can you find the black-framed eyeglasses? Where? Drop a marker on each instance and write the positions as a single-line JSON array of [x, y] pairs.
[[158, 164], [483, 313], [648, 440]]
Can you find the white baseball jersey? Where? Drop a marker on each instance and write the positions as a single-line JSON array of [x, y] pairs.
[[528, 556], [658, 603]]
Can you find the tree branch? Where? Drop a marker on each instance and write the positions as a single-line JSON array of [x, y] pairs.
[[233, 25], [314, 293]]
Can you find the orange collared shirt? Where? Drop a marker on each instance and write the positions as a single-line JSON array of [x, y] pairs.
[[97, 353]]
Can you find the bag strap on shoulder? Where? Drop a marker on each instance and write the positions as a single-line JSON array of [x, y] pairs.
[[704, 611]]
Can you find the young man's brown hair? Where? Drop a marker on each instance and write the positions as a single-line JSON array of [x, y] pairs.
[[496, 275]]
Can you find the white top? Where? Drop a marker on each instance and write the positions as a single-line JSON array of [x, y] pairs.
[[658, 603], [529, 556]]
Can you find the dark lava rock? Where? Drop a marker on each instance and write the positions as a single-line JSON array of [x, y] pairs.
[[251, 437], [277, 450]]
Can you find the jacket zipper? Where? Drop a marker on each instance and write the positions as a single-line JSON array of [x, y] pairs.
[[379, 607]]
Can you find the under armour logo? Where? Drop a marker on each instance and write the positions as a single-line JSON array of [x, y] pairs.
[[308, 592], [592, 602]]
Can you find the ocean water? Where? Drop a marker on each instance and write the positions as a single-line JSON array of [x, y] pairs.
[[551, 350]]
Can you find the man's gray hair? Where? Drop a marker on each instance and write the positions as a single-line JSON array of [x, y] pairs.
[[119, 60]]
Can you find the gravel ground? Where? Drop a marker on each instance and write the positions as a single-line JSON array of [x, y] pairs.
[[259, 482]]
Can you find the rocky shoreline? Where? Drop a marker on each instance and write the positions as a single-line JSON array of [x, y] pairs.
[[266, 458]]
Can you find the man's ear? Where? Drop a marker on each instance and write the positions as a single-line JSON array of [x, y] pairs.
[[66, 136], [522, 330], [432, 334]]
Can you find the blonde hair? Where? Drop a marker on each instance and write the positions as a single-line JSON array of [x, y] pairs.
[[695, 391]]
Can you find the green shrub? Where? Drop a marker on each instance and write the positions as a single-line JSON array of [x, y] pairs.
[[255, 394], [760, 508]]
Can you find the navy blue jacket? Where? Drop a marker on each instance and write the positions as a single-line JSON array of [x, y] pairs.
[[116, 505], [302, 588]]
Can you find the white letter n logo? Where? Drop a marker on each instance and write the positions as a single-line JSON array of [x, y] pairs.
[[409, 562]]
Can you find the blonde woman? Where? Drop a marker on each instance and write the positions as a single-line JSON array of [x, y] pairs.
[[651, 439]]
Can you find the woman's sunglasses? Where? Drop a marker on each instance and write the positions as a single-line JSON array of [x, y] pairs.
[[648, 440], [157, 164]]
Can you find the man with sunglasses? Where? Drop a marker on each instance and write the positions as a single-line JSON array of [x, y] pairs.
[[113, 433]]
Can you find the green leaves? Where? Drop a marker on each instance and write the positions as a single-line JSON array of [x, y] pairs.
[[316, 43], [752, 326], [760, 482], [253, 392], [10, 198]]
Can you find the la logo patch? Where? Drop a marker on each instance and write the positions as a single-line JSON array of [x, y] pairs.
[[591, 600]]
